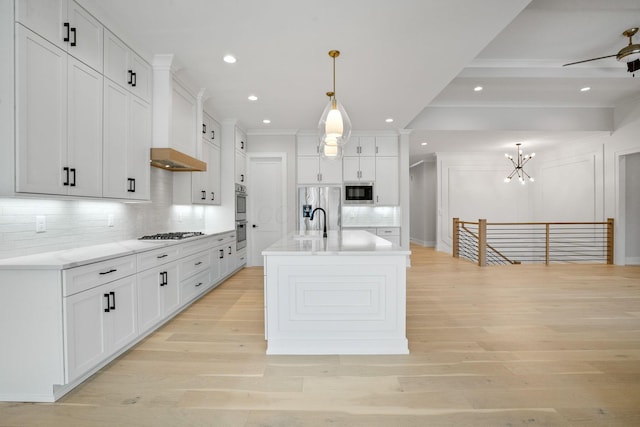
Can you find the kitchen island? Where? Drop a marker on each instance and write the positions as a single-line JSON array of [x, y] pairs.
[[344, 294]]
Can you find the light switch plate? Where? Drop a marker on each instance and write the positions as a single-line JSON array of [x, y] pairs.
[[41, 224]]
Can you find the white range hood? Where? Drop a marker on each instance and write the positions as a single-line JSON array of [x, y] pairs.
[[174, 139]]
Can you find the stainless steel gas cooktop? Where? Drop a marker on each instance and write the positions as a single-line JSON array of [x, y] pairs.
[[175, 235]]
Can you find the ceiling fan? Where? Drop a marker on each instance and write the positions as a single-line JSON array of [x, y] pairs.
[[629, 54]]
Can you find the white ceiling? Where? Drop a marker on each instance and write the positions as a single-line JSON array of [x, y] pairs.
[[416, 61]]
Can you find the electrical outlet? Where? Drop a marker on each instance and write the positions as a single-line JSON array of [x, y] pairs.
[[110, 220], [41, 224]]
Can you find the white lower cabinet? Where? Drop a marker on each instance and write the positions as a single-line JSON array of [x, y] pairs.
[[158, 295], [99, 322], [74, 320]]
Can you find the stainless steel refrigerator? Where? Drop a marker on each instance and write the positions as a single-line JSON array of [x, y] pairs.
[[328, 198]]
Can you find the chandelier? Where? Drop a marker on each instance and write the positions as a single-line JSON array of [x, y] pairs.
[[334, 125], [518, 165]]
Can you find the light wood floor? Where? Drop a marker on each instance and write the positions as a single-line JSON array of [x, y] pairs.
[[496, 346]]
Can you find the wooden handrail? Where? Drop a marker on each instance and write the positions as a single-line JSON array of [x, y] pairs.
[[497, 252]]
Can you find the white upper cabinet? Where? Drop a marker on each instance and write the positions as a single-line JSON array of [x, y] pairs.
[[125, 67], [241, 141], [360, 146], [240, 157], [65, 24], [127, 139], [386, 145], [210, 129], [387, 181], [58, 120]]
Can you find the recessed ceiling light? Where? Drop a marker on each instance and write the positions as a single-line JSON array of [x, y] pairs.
[[266, 121], [478, 88], [252, 98], [389, 120], [423, 143], [585, 89], [229, 59]]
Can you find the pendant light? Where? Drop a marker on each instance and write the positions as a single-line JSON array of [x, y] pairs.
[[334, 126], [518, 165]]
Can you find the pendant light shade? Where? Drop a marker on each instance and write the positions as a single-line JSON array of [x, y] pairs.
[[334, 126]]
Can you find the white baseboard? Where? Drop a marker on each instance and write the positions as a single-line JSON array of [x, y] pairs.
[[632, 261], [428, 243]]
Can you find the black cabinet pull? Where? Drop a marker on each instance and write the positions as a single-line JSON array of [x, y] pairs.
[[229, 250], [132, 185], [242, 145], [73, 30], [241, 177], [113, 270], [135, 79], [199, 284], [106, 310], [198, 263], [130, 73], [164, 278], [213, 195], [66, 182], [221, 253], [113, 296], [213, 134], [73, 172], [66, 38], [162, 256], [204, 128], [204, 195]]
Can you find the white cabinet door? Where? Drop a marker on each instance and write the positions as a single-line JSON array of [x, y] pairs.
[[125, 67], [387, 185], [210, 129], [44, 17], [307, 145], [213, 171], [157, 295], [127, 138], [99, 322], [84, 152], [352, 148], [86, 343], [139, 144], [122, 319], [367, 168], [308, 170], [367, 146], [86, 36], [241, 167], [41, 114], [241, 141], [386, 145], [351, 169], [330, 171]]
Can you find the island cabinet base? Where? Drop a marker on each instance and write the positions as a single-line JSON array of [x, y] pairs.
[[335, 304]]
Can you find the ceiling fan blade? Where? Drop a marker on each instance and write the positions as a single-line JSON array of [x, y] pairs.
[[589, 60]]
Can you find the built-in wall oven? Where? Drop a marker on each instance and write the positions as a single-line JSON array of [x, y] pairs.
[[241, 235], [241, 202], [241, 217]]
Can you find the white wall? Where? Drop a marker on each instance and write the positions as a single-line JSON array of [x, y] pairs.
[[632, 209], [423, 212]]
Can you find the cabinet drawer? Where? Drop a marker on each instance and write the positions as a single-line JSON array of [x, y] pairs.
[[157, 257], [388, 231], [199, 245], [80, 279], [191, 288], [194, 264]]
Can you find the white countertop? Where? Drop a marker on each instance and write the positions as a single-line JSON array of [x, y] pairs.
[[69, 258], [345, 242]]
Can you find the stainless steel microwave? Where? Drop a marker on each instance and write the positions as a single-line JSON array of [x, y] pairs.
[[358, 193]]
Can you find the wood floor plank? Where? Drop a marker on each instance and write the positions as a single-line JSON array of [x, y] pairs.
[[519, 345]]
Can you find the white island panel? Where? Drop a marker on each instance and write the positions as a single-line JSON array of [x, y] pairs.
[[336, 299]]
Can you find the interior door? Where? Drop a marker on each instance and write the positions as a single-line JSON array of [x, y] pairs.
[[267, 204]]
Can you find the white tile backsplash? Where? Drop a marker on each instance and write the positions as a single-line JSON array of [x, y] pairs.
[[76, 223], [371, 216]]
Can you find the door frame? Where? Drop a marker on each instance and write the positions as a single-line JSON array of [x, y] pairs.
[[282, 156]]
